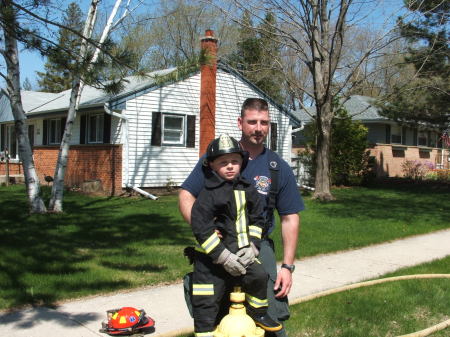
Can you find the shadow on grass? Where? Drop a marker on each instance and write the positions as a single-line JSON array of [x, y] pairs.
[[61, 248]]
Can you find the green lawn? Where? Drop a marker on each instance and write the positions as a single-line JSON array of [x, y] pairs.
[[389, 309], [384, 310], [102, 244]]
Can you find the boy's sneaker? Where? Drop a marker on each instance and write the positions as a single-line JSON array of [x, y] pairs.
[[266, 322]]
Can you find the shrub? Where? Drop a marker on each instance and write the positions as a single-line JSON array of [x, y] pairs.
[[415, 169]]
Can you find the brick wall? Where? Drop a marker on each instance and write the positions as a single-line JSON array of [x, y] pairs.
[[14, 169], [86, 162], [389, 159]]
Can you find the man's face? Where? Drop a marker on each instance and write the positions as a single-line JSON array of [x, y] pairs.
[[254, 126], [227, 166]]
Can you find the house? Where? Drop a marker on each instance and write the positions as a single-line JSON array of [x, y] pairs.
[[390, 144], [149, 135]]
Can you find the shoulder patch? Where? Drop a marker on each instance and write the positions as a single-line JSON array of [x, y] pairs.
[[273, 164]]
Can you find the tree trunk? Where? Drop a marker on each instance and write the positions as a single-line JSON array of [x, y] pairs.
[[323, 182], [55, 204], [11, 56], [56, 200]]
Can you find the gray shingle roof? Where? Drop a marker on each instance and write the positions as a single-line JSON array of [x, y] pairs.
[[359, 107], [92, 96]]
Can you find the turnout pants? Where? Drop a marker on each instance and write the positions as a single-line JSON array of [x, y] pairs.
[[211, 288], [278, 307]]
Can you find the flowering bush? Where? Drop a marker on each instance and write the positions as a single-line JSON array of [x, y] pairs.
[[438, 175], [415, 169]]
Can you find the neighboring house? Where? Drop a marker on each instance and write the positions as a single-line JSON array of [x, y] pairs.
[[390, 144], [149, 135]]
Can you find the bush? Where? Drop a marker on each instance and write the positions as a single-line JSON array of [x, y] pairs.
[[438, 175], [415, 169]]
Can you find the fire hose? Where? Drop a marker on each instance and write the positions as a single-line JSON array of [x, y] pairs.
[[421, 333]]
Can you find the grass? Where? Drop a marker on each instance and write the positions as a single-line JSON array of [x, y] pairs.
[[102, 245], [389, 309], [384, 310]]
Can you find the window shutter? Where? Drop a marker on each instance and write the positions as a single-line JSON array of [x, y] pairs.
[[45, 132], [107, 129], [2, 137], [388, 134], [156, 129], [403, 135], [190, 138], [83, 129], [415, 137], [63, 126], [273, 136]]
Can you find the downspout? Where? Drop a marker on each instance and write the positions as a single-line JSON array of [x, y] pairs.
[[126, 153]]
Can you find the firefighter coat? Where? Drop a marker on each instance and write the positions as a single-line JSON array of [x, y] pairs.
[[234, 208]]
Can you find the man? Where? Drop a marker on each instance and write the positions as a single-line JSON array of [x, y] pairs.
[[254, 124]]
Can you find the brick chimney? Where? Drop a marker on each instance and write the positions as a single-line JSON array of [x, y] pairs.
[[208, 71]]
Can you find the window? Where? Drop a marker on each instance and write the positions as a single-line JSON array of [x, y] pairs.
[[172, 130], [396, 134], [54, 131], [8, 140], [95, 128], [422, 138]]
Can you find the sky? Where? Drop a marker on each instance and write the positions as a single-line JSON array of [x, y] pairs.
[[378, 13]]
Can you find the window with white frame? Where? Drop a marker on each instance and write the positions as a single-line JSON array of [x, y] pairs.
[[422, 138], [173, 127], [396, 134], [9, 141], [95, 128], [54, 131]]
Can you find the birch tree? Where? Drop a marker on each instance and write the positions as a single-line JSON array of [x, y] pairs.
[[11, 55], [56, 200], [314, 32]]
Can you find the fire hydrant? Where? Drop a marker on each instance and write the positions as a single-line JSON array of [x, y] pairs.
[[237, 323]]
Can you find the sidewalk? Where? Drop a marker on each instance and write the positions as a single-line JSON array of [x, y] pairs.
[[166, 305]]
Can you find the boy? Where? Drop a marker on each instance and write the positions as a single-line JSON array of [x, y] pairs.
[[227, 222]]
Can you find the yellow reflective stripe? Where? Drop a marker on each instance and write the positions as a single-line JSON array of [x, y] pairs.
[[255, 231], [241, 221], [211, 243], [198, 248], [256, 302], [203, 289], [204, 334]]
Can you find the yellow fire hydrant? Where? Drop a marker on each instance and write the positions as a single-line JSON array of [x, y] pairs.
[[237, 323]]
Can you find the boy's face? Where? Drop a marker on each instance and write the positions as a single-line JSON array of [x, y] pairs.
[[227, 166]]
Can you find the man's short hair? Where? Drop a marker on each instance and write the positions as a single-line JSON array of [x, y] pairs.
[[254, 103]]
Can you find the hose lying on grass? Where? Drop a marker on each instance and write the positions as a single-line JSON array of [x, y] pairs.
[[421, 333]]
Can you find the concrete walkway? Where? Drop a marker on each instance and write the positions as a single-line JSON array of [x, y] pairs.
[[166, 305]]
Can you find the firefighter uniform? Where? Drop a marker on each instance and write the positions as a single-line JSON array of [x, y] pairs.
[[235, 209]]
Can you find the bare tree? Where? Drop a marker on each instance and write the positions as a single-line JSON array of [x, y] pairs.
[[313, 33], [168, 35], [56, 200], [11, 55]]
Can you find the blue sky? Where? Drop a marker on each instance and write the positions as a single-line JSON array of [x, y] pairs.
[[378, 12]]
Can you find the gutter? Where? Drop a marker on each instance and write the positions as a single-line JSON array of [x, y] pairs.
[[126, 152]]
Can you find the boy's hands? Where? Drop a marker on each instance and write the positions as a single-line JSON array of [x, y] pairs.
[[231, 263], [247, 255]]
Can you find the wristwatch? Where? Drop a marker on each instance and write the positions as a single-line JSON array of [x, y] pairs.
[[290, 267]]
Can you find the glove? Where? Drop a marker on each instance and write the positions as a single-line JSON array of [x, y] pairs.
[[247, 255], [230, 263]]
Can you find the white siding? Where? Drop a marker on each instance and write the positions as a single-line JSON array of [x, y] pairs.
[[230, 94], [155, 166]]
